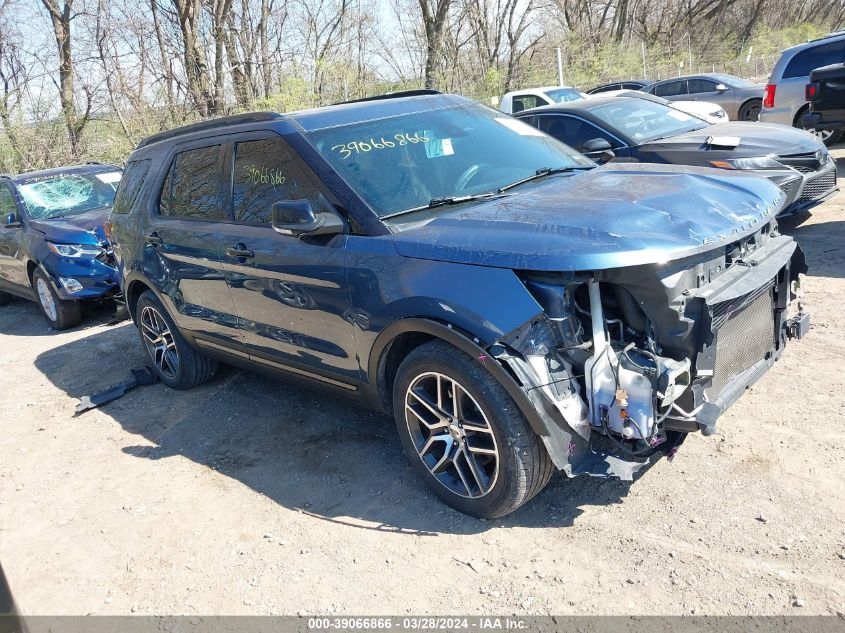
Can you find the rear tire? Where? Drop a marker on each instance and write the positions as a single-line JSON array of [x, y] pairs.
[[486, 461], [750, 111], [176, 363], [60, 314], [828, 137]]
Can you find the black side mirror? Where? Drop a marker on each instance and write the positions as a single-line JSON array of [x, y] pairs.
[[297, 218], [598, 149], [11, 221]]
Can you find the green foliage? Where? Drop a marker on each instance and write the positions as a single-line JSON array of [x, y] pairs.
[[294, 94]]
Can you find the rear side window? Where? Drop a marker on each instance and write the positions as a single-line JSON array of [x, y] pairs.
[[526, 102], [130, 185], [809, 59], [267, 171], [700, 85], [192, 187], [606, 88], [671, 89]]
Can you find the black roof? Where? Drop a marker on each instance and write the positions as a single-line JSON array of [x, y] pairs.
[[263, 117]]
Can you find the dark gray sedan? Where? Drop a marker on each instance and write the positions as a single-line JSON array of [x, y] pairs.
[[741, 99], [624, 129]]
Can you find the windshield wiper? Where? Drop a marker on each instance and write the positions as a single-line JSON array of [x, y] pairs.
[[443, 202], [542, 173]]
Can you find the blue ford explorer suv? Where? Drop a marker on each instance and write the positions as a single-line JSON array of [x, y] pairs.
[[515, 307], [53, 248]]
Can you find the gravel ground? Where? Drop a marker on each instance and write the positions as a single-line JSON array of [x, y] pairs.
[[249, 496]]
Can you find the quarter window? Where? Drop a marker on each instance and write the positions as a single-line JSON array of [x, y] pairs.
[[192, 187], [7, 202], [265, 172], [130, 185]]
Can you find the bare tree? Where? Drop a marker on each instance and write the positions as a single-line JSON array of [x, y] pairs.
[[60, 18]]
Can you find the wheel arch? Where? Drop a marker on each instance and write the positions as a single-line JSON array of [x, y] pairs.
[[800, 112], [135, 286], [399, 338], [746, 102]]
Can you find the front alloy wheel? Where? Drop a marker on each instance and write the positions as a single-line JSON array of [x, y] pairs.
[[451, 435], [464, 434]]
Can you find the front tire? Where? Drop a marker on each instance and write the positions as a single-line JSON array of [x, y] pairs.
[[465, 435], [176, 363], [60, 314]]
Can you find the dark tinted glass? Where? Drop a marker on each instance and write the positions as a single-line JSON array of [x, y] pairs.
[[700, 85], [192, 187], [397, 163], [7, 202], [266, 172], [606, 88], [670, 89], [526, 102], [130, 185], [572, 131], [808, 60]]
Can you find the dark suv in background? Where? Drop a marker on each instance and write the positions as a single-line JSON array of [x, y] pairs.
[[53, 246], [517, 308]]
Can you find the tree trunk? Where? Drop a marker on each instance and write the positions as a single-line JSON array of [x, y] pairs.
[[60, 17]]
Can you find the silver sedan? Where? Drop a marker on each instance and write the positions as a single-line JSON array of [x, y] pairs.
[[740, 98]]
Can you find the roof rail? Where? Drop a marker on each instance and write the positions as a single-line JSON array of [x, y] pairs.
[[394, 95], [210, 124]]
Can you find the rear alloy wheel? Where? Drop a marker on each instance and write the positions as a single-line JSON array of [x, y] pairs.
[[61, 314], [750, 111], [175, 362], [465, 435]]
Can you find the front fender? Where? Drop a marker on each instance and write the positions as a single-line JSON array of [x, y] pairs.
[[465, 343]]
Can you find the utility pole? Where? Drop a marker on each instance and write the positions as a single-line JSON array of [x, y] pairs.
[[689, 44], [645, 71], [559, 67]]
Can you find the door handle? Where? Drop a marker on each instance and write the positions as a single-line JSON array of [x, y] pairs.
[[240, 251], [153, 238]]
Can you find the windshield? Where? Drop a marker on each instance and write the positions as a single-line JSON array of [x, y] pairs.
[[645, 121], [562, 95], [405, 162], [68, 194]]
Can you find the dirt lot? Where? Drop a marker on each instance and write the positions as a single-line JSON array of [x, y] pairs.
[[248, 496]]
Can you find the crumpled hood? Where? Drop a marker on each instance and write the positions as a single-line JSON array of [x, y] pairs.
[[756, 139], [616, 215], [85, 228]]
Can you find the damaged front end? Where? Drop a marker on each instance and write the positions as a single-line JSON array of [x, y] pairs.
[[624, 362]]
